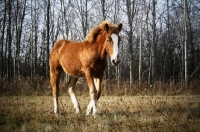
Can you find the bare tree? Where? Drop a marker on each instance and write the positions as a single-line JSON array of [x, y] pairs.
[[28, 28], [131, 11], [152, 56], [168, 37], [140, 56], [9, 39], [2, 40], [185, 42], [103, 9], [140, 47], [81, 9], [19, 19], [66, 15], [48, 38]]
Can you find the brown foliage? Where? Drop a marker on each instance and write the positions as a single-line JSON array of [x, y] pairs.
[[40, 86]]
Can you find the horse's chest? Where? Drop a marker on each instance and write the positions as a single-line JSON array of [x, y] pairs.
[[98, 65]]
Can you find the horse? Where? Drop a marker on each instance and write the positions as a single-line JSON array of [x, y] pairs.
[[84, 59]]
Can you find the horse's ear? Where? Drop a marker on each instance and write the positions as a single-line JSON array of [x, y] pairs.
[[106, 27], [120, 27]]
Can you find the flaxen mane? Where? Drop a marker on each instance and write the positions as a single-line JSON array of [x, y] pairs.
[[91, 37]]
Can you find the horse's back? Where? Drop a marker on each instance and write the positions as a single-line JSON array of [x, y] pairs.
[[65, 54], [55, 52], [58, 45]]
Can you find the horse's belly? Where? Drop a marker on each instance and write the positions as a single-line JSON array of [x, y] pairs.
[[74, 72]]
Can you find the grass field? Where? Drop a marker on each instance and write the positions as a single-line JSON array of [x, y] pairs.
[[116, 113]]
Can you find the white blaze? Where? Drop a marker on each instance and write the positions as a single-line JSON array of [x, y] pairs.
[[115, 47]]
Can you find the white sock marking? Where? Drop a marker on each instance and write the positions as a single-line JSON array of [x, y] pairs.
[[74, 100], [92, 105], [55, 105]]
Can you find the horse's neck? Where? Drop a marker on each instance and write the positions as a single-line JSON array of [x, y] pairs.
[[102, 50], [99, 47]]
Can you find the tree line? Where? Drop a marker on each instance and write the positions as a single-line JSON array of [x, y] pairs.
[[160, 39]]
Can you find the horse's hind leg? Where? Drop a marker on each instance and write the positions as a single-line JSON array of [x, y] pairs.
[[72, 84], [54, 80]]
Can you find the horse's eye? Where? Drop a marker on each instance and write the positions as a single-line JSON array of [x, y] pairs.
[[109, 40]]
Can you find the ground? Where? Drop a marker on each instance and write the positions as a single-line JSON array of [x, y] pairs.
[[116, 113]]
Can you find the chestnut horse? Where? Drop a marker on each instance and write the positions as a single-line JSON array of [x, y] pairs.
[[87, 58]]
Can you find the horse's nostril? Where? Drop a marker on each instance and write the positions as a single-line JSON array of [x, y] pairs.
[[113, 61]]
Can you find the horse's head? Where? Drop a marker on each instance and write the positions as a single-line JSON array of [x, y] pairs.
[[112, 42]]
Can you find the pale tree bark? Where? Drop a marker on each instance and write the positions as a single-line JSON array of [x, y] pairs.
[[147, 11], [140, 46], [2, 72], [48, 38], [43, 50], [31, 55], [153, 44], [182, 54], [185, 43], [36, 15], [140, 56]]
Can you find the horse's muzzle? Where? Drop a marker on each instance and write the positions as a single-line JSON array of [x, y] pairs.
[[115, 63]]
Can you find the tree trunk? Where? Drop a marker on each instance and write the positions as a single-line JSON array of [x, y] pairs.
[[153, 45], [118, 75], [140, 55], [166, 45], [18, 35], [2, 42], [84, 20], [48, 38], [9, 40], [185, 42], [140, 47], [103, 9], [131, 10], [149, 45]]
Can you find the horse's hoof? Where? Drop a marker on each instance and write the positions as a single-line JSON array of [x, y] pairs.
[[78, 110]]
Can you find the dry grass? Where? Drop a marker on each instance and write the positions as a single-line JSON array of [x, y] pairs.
[[116, 113], [41, 87], [27, 105]]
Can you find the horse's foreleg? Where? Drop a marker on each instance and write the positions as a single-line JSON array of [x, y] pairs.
[[97, 82], [54, 80], [93, 95], [72, 84]]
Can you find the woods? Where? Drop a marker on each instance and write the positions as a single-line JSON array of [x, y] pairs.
[[159, 42]]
